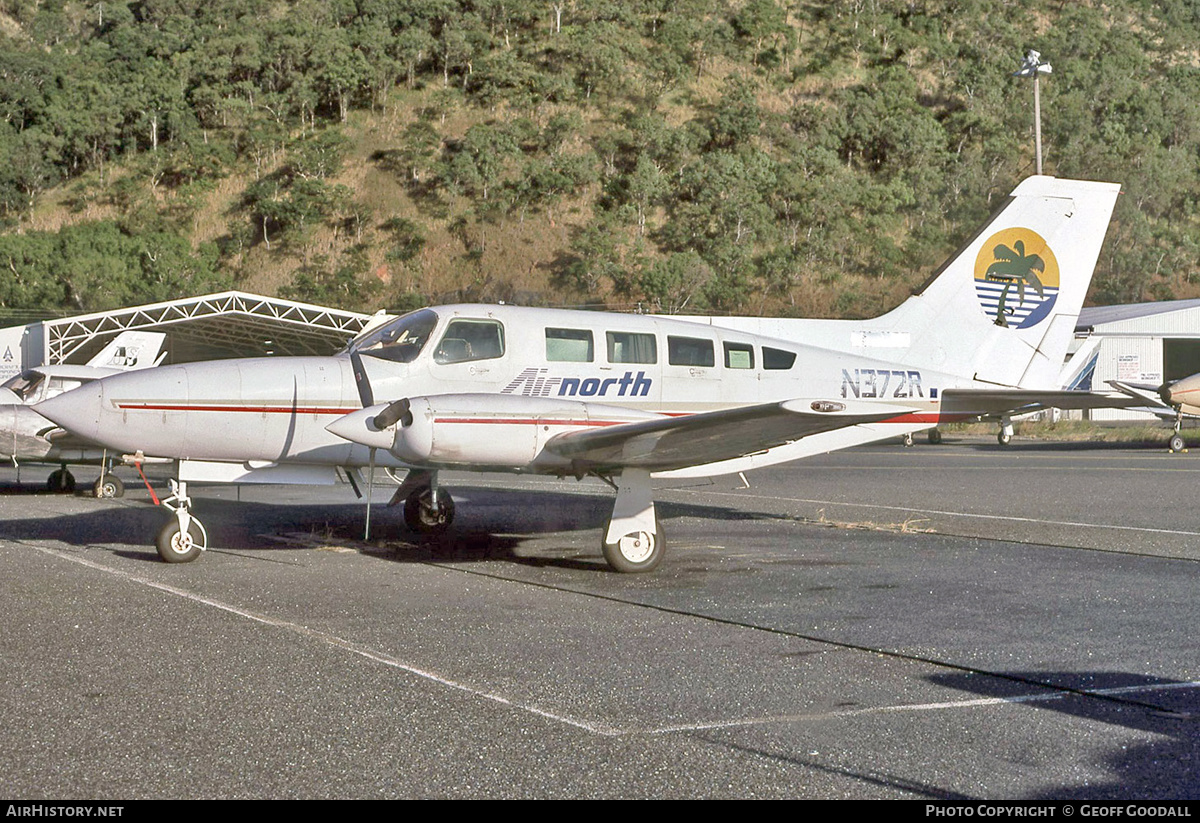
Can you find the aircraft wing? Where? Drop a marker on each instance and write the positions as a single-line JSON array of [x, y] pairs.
[[967, 403], [1149, 398], [668, 443], [1148, 394]]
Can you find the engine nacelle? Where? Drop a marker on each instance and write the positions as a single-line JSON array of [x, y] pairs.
[[500, 431]]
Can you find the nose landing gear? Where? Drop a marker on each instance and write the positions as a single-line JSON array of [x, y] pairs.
[[183, 537]]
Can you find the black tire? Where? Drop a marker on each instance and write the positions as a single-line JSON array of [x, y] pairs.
[[107, 487], [632, 555], [1176, 444], [60, 480], [935, 437], [174, 548], [1003, 439], [420, 515]]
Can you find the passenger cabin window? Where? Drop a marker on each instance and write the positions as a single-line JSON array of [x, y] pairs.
[[739, 356], [569, 346], [777, 358], [401, 339], [631, 347], [690, 351], [467, 340]]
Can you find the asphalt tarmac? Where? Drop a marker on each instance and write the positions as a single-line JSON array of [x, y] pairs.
[[951, 622]]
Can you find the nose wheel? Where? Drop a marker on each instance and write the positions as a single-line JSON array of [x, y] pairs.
[[178, 546], [183, 537]]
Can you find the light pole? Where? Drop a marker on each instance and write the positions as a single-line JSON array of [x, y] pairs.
[[1032, 66]]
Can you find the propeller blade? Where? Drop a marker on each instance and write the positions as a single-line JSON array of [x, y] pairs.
[[396, 412], [361, 382]]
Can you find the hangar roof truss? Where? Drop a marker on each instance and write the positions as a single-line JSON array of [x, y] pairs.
[[228, 324]]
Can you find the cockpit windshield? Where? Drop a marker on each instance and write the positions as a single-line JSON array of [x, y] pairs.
[[400, 340], [25, 384]]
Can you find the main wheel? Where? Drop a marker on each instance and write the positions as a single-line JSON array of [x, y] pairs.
[[176, 547], [935, 437], [1003, 438], [60, 480], [108, 486], [1176, 443], [422, 516], [635, 552]]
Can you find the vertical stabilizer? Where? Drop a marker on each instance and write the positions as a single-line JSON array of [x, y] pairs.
[[130, 350], [1003, 310]]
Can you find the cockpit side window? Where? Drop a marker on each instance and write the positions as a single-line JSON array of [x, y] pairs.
[[468, 339], [57, 385], [401, 339]]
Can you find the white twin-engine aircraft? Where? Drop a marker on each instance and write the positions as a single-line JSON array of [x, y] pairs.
[[27, 437], [625, 398]]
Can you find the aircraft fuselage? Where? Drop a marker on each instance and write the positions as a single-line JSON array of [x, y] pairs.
[[271, 410]]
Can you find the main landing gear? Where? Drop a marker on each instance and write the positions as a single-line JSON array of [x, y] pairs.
[[632, 540], [1006, 432], [108, 485], [60, 480], [428, 509]]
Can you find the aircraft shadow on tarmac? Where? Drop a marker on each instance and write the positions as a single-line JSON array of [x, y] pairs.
[[1167, 768], [563, 530]]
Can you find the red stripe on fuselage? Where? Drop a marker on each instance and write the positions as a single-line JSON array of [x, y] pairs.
[[518, 421], [915, 417], [252, 409]]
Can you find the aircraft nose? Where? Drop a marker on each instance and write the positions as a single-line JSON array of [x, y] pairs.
[[1182, 392], [77, 411]]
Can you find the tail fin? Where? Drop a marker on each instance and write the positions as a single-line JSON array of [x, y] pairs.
[[131, 350], [1003, 310], [1000, 311]]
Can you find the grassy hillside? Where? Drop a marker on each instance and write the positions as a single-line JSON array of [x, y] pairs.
[[763, 156]]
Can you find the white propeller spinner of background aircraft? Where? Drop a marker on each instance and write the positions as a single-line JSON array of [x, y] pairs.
[[27, 437], [625, 398]]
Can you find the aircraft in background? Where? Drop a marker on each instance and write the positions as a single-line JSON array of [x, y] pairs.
[[27, 437], [1173, 402], [625, 398]]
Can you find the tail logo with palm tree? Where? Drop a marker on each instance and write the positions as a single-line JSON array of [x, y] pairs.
[[1016, 278]]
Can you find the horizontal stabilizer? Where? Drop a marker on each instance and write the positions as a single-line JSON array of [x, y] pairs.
[[959, 404]]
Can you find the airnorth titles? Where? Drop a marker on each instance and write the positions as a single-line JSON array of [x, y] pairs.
[[535, 382]]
